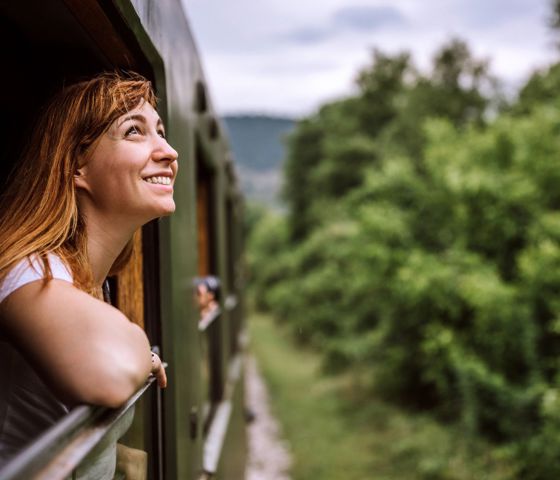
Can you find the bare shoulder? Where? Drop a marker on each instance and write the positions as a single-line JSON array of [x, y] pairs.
[[46, 307], [76, 341]]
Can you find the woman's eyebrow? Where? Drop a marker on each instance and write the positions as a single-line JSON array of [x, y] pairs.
[[137, 116], [141, 118]]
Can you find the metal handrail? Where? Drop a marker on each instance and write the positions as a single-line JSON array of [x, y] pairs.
[[59, 450], [214, 442]]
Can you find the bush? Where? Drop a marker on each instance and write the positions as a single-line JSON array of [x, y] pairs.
[[440, 271]]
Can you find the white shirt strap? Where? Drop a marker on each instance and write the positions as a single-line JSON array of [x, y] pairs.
[[31, 269]]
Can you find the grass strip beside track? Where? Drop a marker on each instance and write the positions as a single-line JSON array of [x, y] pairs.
[[336, 433]]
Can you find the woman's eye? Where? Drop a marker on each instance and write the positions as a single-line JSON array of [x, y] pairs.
[[132, 131], [161, 133]]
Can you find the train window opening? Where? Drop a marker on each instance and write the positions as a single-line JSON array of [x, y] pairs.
[[205, 219], [48, 49], [213, 129], [34, 66], [200, 101]]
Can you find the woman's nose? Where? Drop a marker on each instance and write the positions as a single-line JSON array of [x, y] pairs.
[[165, 152]]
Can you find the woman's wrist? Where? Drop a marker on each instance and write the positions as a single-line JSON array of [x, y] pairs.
[[158, 370], [156, 362]]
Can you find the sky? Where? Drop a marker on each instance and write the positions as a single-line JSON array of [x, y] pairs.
[[287, 57]]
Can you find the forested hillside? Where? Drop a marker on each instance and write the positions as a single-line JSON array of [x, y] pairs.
[[258, 144], [421, 247], [257, 140]]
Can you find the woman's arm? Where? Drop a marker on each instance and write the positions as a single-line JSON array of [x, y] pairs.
[[86, 350]]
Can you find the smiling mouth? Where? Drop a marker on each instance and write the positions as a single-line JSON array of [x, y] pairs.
[[158, 180]]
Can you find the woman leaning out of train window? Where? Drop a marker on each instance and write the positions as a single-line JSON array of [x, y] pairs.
[[96, 168]]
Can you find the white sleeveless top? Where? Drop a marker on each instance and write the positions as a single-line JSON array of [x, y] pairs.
[[29, 270], [27, 406]]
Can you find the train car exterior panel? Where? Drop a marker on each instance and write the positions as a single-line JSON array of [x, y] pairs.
[[82, 37]]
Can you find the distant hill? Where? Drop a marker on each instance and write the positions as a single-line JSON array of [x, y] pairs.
[[257, 140], [258, 146]]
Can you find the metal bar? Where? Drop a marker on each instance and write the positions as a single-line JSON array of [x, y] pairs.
[[218, 428], [28, 461], [58, 451], [159, 439], [215, 438]]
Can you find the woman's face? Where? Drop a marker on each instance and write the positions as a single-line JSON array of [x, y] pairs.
[[132, 168]]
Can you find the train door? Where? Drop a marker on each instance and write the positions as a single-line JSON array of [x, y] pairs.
[[209, 323], [230, 274], [234, 269], [233, 450]]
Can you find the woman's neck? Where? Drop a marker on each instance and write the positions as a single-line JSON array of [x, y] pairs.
[[106, 240]]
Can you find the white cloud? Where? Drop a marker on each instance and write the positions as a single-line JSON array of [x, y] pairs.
[[288, 56]]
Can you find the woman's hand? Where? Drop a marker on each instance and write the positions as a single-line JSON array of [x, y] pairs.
[[158, 371]]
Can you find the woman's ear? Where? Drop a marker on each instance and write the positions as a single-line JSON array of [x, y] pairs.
[[80, 178]]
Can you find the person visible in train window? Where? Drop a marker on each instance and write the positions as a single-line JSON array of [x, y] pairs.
[[96, 168], [207, 294]]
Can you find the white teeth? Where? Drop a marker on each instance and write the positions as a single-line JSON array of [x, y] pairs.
[[159, 180]]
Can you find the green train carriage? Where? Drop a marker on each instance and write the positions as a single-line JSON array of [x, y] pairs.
[[195, 428]]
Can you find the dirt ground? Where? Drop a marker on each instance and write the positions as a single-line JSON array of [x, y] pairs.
[[269, 455]]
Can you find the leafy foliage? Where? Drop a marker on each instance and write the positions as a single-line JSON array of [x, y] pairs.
[[423, 242]]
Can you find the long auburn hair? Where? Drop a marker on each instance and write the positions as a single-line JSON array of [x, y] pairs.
[[40, 213]]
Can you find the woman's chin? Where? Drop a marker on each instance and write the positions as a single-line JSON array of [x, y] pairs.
[[167, 209], [160, 212], [170, 209]]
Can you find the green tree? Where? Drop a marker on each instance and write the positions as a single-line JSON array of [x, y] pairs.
[[422, 245], [458, 88], [381, 85], [305, 152], [543, 87]]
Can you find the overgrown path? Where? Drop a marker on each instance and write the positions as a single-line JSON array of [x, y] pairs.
[[337, 432], [269, 457]]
